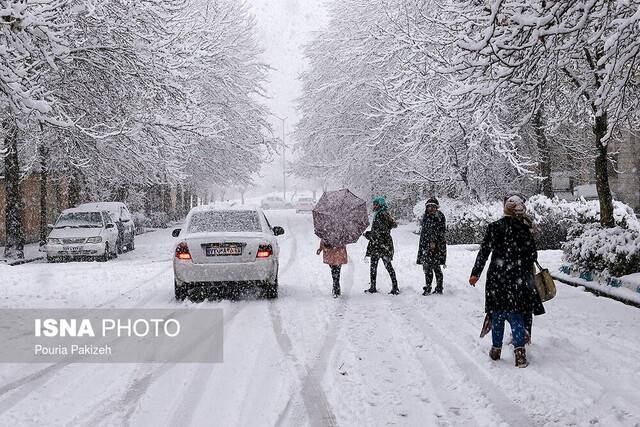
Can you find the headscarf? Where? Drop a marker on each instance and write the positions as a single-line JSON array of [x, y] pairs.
[[382, 205], [432, 202], [514, 206]]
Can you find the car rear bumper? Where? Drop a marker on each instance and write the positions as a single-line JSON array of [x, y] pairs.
[[84, 249], [257, 271]]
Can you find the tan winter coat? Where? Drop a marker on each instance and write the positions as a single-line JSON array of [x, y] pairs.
[[333, 256]]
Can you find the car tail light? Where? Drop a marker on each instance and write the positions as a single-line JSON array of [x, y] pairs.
[[264, 251], [182, 252]]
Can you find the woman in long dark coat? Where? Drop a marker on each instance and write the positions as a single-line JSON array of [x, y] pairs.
[[508, 293], [432, 250], [380, 245]]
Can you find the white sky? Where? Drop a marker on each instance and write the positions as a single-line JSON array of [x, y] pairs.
[[284, 26]]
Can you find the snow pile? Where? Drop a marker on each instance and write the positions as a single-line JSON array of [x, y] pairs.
[[615, 251]]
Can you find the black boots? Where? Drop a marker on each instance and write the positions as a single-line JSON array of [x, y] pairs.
[[372, 290], [521, 357], [495, 353]]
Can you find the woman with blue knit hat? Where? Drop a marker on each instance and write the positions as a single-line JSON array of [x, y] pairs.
[[380, 245]]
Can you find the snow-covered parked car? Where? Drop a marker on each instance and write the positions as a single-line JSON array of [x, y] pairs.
[[231, 247], [123, 220], [82, 233], [275, 202], [305, 204]]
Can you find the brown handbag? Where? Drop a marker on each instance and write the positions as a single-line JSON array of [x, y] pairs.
[[545, 285]]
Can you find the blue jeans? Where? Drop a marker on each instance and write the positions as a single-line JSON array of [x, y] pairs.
[[516, 320]]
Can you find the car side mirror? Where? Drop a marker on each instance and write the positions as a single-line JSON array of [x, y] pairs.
[[110, 225], [50, 226], [278, 231], [176, 232]]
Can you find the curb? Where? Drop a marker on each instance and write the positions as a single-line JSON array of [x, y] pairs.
[[595, 289]]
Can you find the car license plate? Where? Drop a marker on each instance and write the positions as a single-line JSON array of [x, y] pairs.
[[72, 248], [223, 249]]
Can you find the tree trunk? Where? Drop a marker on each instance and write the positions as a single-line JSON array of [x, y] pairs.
[[179, 202], [187, 201], [14, 245], [544, 153], [44, 178], [602, 172], [74, 188]]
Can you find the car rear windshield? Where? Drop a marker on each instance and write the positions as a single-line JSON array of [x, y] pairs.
[[80, 220], [224, 221]]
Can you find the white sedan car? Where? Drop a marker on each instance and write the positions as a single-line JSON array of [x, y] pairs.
[[82, 233], [226, 246]]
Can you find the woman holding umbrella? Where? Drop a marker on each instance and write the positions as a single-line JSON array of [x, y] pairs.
[[381, 244], [339, 219]]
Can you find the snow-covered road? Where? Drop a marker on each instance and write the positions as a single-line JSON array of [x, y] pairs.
[[307, 359]]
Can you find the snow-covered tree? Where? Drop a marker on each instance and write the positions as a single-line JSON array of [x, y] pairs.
[[570, 56], [118, 94]]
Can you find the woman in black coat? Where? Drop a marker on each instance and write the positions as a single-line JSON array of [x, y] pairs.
[[508, 293], [432, 250], [380, 245]]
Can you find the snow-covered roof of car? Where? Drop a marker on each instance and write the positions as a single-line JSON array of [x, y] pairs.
[[225, 207], [102, 205], [83, 208]]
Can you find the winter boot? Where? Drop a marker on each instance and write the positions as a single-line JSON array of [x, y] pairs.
[[336, 292], [495, 353], [427, 291], [372, 289], [521, 357], [395, 290]]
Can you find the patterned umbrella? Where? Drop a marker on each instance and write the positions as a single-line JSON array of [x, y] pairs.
[[340, 217]]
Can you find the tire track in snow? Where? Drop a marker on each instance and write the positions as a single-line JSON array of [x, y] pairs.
[[314, 399], [191, 397], [24, 386], [143, 378]]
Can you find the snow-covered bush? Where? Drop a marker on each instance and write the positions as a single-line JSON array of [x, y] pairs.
[[593, 248], [552, 218], [140, 221]]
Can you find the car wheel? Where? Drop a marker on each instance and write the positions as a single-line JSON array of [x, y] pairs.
[[270, 290], [196, 293], [114, 254], [180, 290], [119, 245], [52, 259]]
